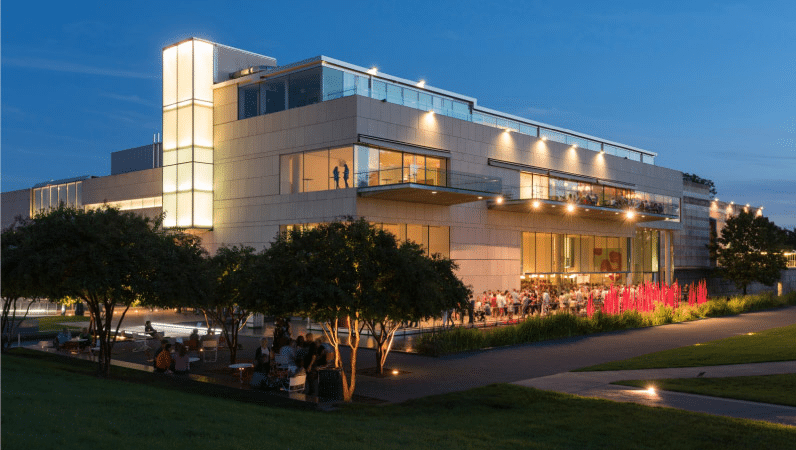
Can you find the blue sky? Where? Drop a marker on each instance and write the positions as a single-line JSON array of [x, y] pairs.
[[709, 86]]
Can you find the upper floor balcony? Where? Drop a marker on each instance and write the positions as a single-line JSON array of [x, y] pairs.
[[427, 185], [600, 200]]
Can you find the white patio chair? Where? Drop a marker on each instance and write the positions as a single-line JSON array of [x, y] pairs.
[[296, 383]]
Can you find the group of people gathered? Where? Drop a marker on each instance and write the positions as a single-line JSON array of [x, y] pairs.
[[289, 357], [537, 299]]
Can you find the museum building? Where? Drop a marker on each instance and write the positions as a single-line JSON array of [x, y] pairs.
[[251, 148]]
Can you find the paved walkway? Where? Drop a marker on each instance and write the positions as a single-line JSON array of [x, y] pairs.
[[597, 384]]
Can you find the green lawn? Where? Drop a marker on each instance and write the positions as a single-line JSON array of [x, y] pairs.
[[778, 389], [50, 323], [776, 344], [50, 402]]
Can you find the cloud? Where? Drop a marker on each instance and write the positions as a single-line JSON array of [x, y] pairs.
[[128, 98], [61, 66]]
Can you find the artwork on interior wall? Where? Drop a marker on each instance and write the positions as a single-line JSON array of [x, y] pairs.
[[608, 259]]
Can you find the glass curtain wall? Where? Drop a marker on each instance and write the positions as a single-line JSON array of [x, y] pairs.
[[318, 170], [47, 197], [360, 166], [577, 258], [536, 186]]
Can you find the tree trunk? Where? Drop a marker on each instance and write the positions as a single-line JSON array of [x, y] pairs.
[[354, 332], [744, 289]]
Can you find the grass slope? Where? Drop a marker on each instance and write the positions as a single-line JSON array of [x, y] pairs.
[[776, 344], [47, 405], [777, 389]]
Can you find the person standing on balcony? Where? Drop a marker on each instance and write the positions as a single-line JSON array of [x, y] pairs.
[[345, 174], [336, 176]]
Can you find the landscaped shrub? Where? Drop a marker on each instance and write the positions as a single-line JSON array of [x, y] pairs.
[[558, 326]]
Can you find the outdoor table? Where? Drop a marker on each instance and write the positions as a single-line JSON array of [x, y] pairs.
[[241, 367], [74, 343]]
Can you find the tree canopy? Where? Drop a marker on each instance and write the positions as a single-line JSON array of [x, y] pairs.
[[749, 250], [348, 275], [105, 258]]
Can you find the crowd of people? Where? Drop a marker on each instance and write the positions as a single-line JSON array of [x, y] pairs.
[[538, 299]]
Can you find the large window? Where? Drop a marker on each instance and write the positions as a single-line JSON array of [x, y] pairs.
[[317, 170], [573, 253], [591, 259], [360, 166], [377, 167], [279, 93], [67, 194]]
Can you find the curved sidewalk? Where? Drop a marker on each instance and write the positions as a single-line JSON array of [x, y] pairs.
[[597, 384], [430, 376]]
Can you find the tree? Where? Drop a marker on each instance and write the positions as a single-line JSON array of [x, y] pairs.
[[749, 250], [697, 179], [11, 289], [227, 300], [344, 275], [413, 286], [105, 258]]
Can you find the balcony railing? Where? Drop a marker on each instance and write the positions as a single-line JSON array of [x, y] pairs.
[[597, 196], [430, 177]]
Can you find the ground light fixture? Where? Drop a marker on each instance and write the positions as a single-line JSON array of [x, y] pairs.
[[651, 390], [536, 204], [499, 200], [570, 207], [395, 371], [631, 214]]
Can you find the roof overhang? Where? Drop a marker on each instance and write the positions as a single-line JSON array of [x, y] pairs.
[[423, 193], [572, 210]]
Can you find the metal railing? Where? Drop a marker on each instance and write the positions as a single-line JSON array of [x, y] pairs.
[[597, 195], [431, 177]]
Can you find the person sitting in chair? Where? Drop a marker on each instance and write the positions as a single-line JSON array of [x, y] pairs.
[[150, 330], [63, 337], [85, 338]]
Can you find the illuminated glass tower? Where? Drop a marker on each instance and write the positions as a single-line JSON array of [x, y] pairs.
[[188, 134]]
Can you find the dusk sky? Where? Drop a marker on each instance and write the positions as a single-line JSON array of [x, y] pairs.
[[709, 86]]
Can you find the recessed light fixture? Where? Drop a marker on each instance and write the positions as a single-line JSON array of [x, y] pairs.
[[433, 192]]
